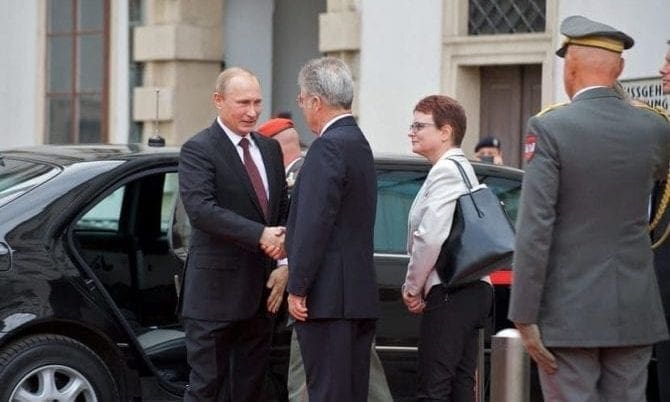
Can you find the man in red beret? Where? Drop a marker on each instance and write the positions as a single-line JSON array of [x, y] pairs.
[[283, 131]]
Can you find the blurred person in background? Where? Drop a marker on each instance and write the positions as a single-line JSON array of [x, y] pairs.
[[284, 132], [662, 263], [488, 151]]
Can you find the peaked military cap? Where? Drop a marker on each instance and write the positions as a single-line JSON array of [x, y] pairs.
[[582, 31], [488, 142]]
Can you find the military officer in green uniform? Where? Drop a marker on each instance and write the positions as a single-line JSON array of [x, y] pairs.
[[585, 297]]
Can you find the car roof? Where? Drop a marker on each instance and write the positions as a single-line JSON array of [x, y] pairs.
[[480, 167], [65, 155]]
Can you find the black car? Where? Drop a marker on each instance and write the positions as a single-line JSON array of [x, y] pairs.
[[87, 274]]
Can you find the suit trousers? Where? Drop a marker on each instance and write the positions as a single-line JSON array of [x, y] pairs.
[[228, 359], [336, 355], [378, 390], [448, 341], [616, 374], [662, 350]]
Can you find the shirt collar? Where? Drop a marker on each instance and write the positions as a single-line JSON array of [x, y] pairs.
[[293, 162], [333, 120], [235, 138], [452, 152], [581, 91]]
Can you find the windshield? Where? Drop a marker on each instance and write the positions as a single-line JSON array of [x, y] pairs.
[[18, 177]]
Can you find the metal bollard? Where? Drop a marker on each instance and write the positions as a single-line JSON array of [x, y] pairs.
[[480, 379], [510, 368]]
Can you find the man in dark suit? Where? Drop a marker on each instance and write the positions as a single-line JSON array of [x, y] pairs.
[[585, 297], [233, 187], [332, 285], [282, 129]]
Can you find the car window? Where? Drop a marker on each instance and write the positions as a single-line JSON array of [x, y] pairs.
[[18, 177], [170, 190], [508, 191], [122, 239], [105, 215], [396, 190], [179, 233]]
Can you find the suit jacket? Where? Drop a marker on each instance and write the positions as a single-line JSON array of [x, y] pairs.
[[331, 226], [226, 271], [430, 219], [583, 266]]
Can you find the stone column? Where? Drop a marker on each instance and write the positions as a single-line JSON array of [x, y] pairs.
[[182, 51], [340, 36]]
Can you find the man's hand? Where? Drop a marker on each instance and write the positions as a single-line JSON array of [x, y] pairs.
[[272, 242], [277, 284], [415, 304], [273, 252], [530, 336], [297, 306]]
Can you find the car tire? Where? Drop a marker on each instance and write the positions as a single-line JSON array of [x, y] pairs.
[[54, 367]]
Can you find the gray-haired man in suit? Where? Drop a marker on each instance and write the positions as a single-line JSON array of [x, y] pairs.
[[585, 297], [332, 283]]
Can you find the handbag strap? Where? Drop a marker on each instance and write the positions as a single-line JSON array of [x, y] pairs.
[[465, 177], [468, 184]]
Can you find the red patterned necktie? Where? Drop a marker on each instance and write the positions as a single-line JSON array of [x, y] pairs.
[[254, 176]]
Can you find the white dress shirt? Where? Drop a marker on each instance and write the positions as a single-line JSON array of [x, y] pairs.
[[253, 150], [258, 160]]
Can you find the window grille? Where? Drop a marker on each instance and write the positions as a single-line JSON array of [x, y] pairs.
[[506, 16]]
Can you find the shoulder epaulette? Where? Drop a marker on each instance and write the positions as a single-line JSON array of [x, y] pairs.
[[551, 107], [656, 109]]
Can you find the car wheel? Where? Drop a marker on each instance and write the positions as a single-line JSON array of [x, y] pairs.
[[54, 368]]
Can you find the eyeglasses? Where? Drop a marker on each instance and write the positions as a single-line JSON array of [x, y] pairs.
[[418, 126], [300, 100]]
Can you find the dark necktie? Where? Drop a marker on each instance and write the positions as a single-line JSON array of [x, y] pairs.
[[254, 176]]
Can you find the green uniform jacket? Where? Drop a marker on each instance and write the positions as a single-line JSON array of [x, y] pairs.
[[583, 266]]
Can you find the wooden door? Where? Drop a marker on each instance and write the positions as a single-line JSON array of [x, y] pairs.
[[509, 96]]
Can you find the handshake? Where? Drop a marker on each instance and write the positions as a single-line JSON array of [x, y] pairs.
[[272, 242]]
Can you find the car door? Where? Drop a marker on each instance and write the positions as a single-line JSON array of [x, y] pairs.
[[121, 237], [398, 182]]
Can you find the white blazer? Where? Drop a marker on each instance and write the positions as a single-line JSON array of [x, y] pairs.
[[430, 219]]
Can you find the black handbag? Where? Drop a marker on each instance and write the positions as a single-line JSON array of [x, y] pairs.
[[481, 238]]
